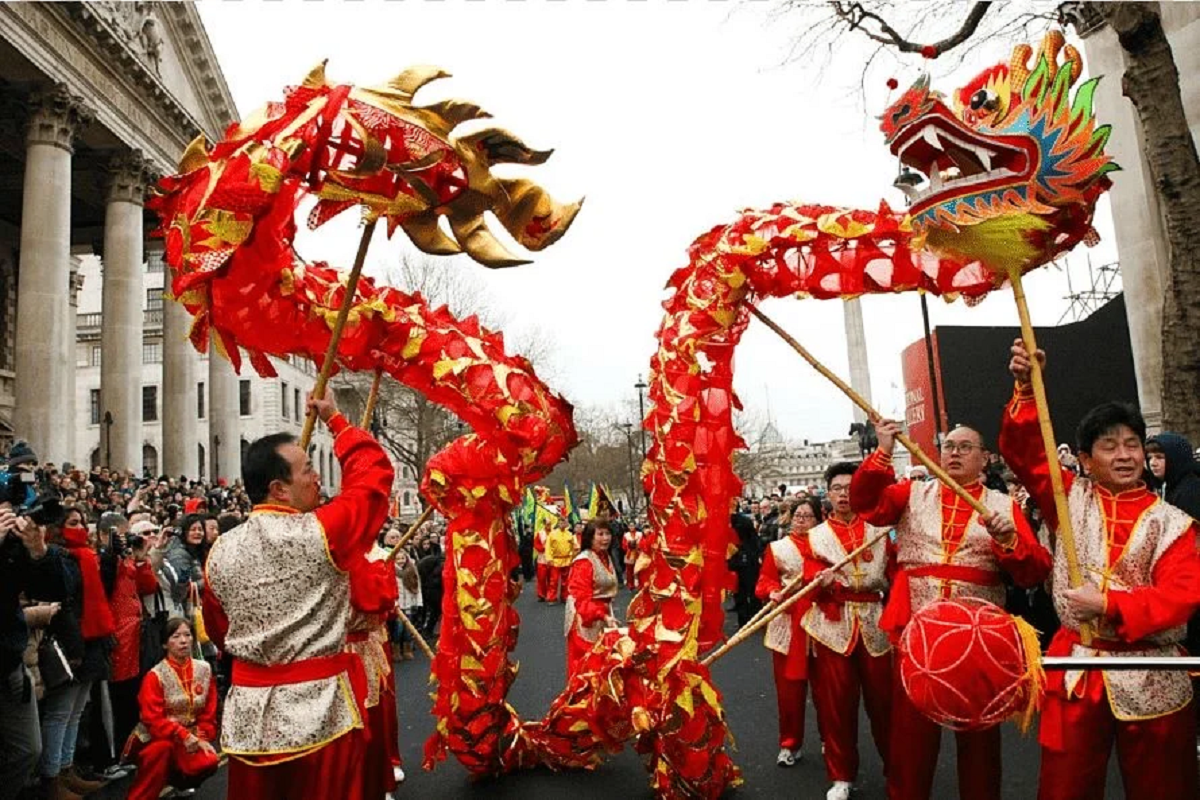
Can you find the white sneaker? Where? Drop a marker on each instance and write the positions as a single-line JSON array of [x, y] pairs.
[[839, 791], [798, 755], [785, 758], [397, 775]]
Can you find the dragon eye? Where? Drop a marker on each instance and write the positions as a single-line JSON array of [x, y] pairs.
[[901, 112], [983, 99]]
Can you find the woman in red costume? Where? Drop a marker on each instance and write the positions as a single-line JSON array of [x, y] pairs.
[[178, 701], [591, 587], [782, 562]]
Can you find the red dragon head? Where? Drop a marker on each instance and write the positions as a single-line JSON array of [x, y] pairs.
[[1011, 175]]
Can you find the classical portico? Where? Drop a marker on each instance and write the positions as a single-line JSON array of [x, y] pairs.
[[99, 99]]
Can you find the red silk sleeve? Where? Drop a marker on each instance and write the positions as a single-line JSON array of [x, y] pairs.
[[216, 624], [153, 711], [353, 518], [1021, 448], [144, 578], [206, 719], [875, 494], [768, 577], [579, 586], [1027, 561], [1169, 601], [373, 587]]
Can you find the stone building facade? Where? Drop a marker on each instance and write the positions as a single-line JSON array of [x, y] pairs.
[[97, 100]]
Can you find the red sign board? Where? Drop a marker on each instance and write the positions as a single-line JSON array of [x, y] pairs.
[[918, 394]]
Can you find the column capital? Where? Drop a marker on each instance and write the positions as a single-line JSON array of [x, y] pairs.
[[56, 116], [75, 286], [129, 174]]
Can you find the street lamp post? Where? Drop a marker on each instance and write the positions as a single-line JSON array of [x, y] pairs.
[[628, 426], [108, 423], [216, 470], [641, 387]]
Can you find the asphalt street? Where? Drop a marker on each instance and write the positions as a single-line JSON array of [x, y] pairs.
[[744, 677]]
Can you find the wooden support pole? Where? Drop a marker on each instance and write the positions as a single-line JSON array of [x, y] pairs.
[[416, 634], [412, 531], [336, 334], [372, 399]]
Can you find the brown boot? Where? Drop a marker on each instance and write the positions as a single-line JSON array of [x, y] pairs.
[[406, 650], [71, 779], [56, 789], [396, 652]]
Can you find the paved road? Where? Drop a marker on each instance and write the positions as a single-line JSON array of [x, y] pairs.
[[745, 678]]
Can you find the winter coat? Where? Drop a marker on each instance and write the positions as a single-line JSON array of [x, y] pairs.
[[1182, 479]]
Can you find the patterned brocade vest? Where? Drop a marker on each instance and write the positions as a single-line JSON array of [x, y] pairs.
[[859, 576], [1133, 694], [180, 703], [790, 563], [604, 587], [286, 601], [919, 542]]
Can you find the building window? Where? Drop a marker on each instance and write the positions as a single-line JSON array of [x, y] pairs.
[[154, 299], [296, 403], [200, 400], [154, 262], [149, 404], [283, 399], [151, 352], [200, 471], [149, 460], [244, 398], [407, 499], [95, 355], [321, 463], [94, 397]]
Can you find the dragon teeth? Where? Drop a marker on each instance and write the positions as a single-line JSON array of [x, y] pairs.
[[985, 158], [930, 135]]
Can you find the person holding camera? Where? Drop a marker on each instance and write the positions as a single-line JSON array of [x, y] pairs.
[[31, 568]]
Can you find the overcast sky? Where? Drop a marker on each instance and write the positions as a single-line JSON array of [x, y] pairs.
[[669, 117]]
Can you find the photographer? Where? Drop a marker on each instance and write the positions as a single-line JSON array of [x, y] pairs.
[[29, 567]]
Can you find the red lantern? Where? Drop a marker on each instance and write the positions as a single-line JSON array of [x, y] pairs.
[[968, 665]]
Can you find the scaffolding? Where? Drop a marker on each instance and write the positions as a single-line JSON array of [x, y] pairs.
[[1104, 283]]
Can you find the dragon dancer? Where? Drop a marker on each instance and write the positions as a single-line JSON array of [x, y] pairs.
[[1141, 583], [944, 550]]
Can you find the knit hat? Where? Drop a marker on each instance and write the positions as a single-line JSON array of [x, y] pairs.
[[21, 453]]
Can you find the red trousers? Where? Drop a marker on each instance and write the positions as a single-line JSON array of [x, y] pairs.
[[543, 580], [557, 583], [790, 696], [838, 681], [391, 730], [377, 778], [162, 761], [1157, 756], [913, 754], [629, 574], [334, 772]]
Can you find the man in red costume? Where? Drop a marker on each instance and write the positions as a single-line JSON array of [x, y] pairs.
[[1141, 583], [851, 655], [943, 550], [277, 599]]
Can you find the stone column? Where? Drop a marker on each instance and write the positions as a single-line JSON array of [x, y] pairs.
[[224, 430], [121, 311], [856, 348], [180, 434], [44, 413], [71, 354]]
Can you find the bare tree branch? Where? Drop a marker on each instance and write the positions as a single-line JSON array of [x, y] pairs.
[[875, 27]]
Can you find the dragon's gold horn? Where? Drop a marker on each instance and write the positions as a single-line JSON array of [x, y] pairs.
[[481, 244], [534, 218], [195, 156], [922, 83], [425, 233], [455, 112], [414, 78], [501, 147], [315, 78], [1074, 62]]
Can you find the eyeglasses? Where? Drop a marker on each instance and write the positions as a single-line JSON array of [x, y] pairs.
[[964, 448], [809, 516], [841, 488]]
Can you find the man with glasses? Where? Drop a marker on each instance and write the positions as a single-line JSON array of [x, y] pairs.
[[851, 655], [944, 550]]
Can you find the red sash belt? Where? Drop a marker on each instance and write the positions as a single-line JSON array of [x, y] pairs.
[[898, 610], [252, 675], [837, 595]]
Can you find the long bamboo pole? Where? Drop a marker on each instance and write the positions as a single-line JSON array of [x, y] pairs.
[[746, 631], [416, 634], [412, 531], [934, 467], [1065, 532], [372, 399], [336, 334]]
